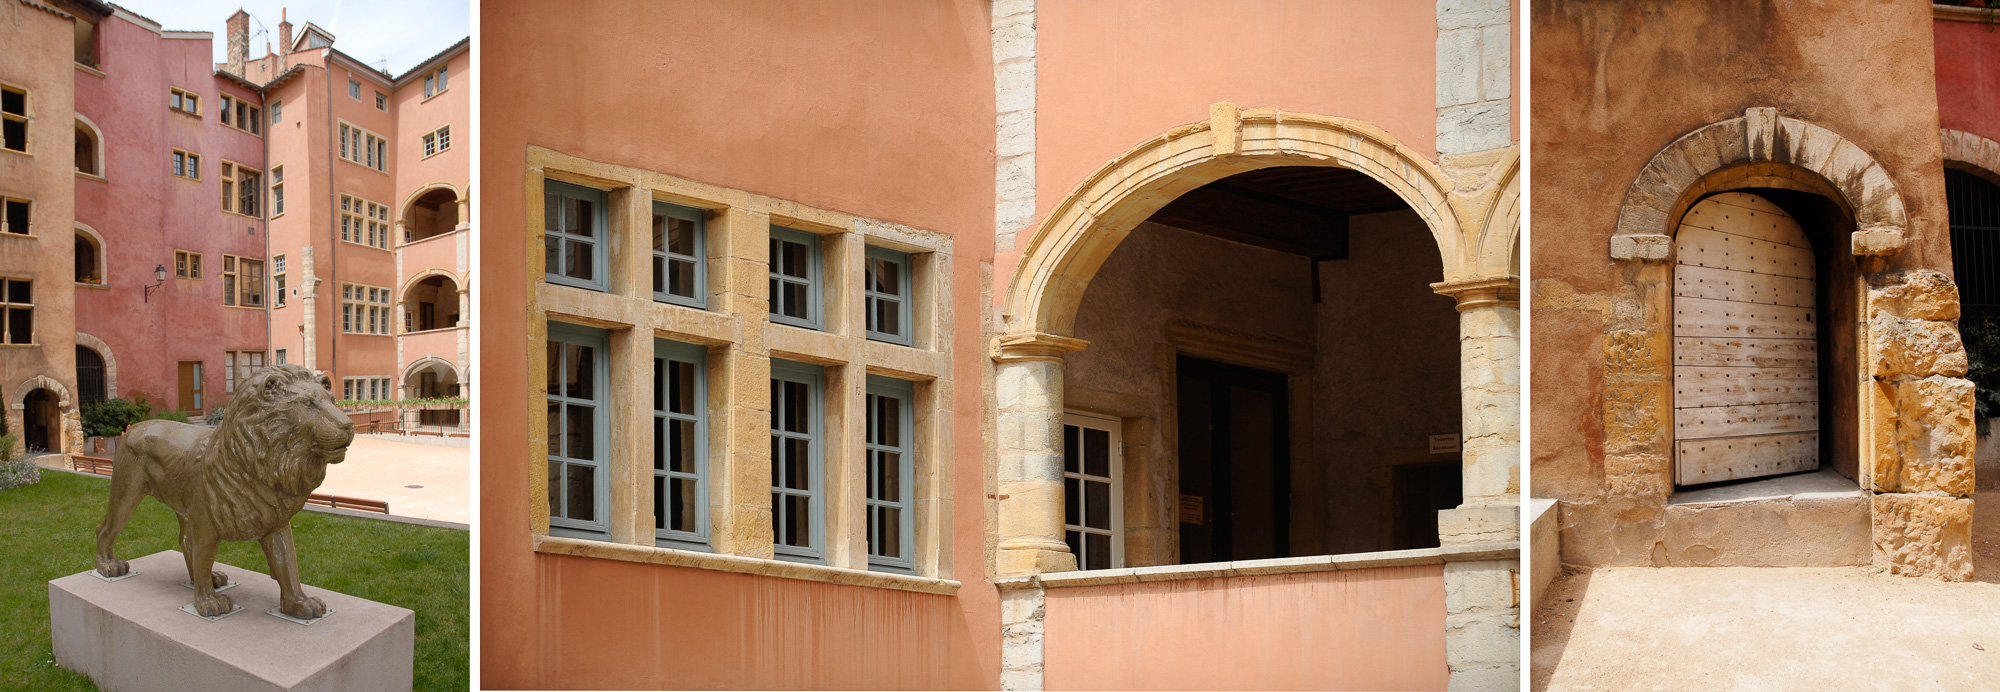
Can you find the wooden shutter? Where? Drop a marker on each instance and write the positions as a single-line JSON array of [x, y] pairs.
[[1746, 343]]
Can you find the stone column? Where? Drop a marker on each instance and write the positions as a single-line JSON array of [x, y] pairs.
[[1028, 389], [1482, 598]]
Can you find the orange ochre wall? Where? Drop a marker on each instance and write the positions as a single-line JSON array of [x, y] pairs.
[[879, 109], [1364, 629]]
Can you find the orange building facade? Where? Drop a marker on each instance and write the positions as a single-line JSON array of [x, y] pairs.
[[1000, 345]]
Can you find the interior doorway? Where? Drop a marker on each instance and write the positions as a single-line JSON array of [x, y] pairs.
[[1235, 465], [41, 420], [1421, 491], [191, 387]]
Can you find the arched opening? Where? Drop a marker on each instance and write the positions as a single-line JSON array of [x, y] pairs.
[[432, 303], [89, 259], [432, 380], [89, 155], [1763, 284], [41, 421], [431, 215], [91, 382]]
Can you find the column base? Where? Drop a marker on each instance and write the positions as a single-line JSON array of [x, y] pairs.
[[1475, 524], [1034, 561]]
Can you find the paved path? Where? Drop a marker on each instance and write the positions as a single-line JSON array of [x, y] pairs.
[[1748, 628], [381, 469]]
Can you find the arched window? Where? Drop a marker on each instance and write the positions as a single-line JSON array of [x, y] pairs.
[[90, 379], [89, 154], [89, 258]]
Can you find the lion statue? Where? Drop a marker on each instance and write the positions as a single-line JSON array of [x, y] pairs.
[[241, 481]]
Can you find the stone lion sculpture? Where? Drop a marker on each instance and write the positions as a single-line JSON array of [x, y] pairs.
[[241, 481]]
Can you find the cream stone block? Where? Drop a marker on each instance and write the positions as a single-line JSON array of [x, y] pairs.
[[1923, 535], [1924, 435], [807, 345], [1922, 294], [1482, 624], [1914, 347]]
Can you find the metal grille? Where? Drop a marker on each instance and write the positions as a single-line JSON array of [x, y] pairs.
[[1975, 241], [89, 376]]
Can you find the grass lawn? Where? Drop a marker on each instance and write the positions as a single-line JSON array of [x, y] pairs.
[[47, 530]]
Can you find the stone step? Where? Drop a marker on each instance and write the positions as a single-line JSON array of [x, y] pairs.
[[1812, 519]]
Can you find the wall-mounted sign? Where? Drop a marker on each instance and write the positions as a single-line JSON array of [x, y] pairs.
[[1190, 509], [1444, 444]]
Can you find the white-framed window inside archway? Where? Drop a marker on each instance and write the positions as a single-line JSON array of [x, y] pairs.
[[1093, 491]]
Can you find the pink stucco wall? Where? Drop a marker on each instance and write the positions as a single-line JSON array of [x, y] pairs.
[[1968, 77], [879, 109], [144, 214], [1372, 629]]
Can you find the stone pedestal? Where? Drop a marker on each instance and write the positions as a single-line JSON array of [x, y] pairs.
[[131, 635]]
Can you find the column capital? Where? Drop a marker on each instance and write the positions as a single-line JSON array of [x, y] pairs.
[[1034, 346], [1479, 292]]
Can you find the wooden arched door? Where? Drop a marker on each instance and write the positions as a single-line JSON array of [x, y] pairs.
[[1746, 343]]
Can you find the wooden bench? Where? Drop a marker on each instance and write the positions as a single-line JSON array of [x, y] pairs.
[[102, 466]]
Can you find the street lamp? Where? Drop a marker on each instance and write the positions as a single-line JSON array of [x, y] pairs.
[[159, 279]]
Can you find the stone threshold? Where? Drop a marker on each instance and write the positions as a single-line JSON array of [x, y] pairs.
[[577, 547], [1822, 484], [1253, 568]]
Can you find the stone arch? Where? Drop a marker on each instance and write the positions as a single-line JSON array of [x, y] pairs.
[[408, 212], [1499, 247], [1972, 153], [1759, 149], [96, 135], [426, 363], [21, 391], [417, 278], [110, 363], [102, 263], [1080, 233]]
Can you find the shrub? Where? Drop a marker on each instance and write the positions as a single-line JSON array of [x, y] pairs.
[[110, 417], [214, 417], [1982, 350], [175, 415], [14, 472]]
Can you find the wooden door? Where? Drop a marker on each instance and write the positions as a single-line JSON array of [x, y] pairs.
[[1746, 343], [190, 389]]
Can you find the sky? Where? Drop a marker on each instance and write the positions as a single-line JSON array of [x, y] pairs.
[[391, 35]]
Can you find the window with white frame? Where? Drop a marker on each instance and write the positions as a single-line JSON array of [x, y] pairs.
[[277, 112], [1093, 516], [381, 101], [17, 299], [279, 357], [14, 118], [187, 164], [577, 371], [795, 272], [891, 467], [680, 445], [187, 265], [354, 88], [678, 263], [886, 292], [437, 141], [366, 389], [364, 309], [185, 101], [278, 282], [15, 217], [362, 147], [434, 82], [364, 222], [573, 236], [797, 433], [277, 191]]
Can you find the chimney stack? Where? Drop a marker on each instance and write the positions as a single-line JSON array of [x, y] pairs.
[[239, 41], [284, 41]]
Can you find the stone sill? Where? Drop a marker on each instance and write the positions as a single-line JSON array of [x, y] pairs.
[[577, 547], [1954, 13], [1253, 568], [461, 327], [420, 241], [86, 69]]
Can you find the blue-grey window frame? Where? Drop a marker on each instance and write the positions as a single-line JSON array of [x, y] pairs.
[[814, 377], [601, 340], [905, 393], [600, 268], [700, 258], [903, 299], [676, 351], [814, 271]]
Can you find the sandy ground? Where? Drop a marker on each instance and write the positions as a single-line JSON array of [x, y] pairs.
[[1744, 628], [417, 480]]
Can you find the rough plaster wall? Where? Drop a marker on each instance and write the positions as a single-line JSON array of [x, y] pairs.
[[1387, 376], [1388, 349]]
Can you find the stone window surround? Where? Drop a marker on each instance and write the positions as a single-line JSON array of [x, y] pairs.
[[741, 340], [96, 136]]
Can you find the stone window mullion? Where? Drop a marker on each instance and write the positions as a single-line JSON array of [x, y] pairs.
[[846, 489], [739, 402]]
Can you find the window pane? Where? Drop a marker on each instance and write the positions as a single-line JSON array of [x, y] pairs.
[[1075, 541], [680, 237], [1072, 499], [680, 277], [798, 464], [798, 529], [885, 276], [551, 253], [682, 458], [794, 299], [19, 291], [659, 232], [683, 504], [1097, 551], [577, 218], [1069, 449], [889, 317], [681, 383], [1097, 505], [1096, 452], [892, 477], [796, 407], [892, 421], [21, 326], [795, 260], [581, 498], [579, 261], [659, 275], [892, 533], [580, 432], [660, 501], [579, 363], [660, 444], [555, 484]]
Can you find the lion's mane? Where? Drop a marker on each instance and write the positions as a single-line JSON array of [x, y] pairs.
[[259, 463]]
